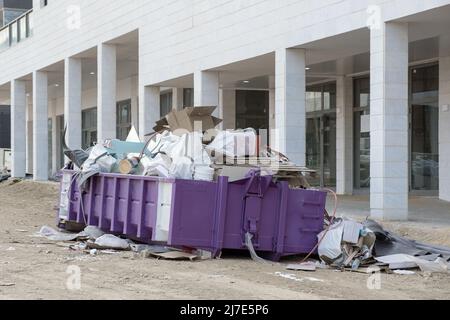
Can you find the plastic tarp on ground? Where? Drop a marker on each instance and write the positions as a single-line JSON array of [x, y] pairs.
[[205, 215]]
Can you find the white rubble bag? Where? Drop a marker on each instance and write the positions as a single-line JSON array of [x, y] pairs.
[[235, 143], [158, 166], [99, 160], [330, 247]]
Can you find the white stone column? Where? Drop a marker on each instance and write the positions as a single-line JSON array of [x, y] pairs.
[[272, 124], [177, 98], [29, 135], [72, 102], [54, 138], [106, 91], [290, 116], [149, 109], [18, 128], [444, 128], [40, 126], [135, 103], [344, 135], [389, 122], [206, 89]]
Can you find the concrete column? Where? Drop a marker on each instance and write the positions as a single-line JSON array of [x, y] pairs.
[[29, 135], [55, 139], [40, 126], [206, 89], [344, 135], [272, 125], [389, 122], [106, 91], [37, 5], [135, 103], [228, 108], [72, 102], [18, 128], [177, 98], [290, 116], [149, 109], [444, 128]]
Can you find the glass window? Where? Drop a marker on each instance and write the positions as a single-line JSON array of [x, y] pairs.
[[165, 104], [321, 97], [123, 119], [361, 132], [252, 109], [188, 97], [89, 127], [313, 100], [425, 83], [329, 96], [362, 92], [424, 128]]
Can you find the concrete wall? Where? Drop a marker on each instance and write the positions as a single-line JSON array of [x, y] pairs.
[[189, 35]]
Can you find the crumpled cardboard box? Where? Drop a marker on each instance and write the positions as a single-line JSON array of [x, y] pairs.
[[186, 119]]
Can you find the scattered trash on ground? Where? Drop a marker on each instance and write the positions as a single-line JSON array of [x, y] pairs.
[[305, 266], [404, 272], [212, 190], [294, 277], [7, 284]]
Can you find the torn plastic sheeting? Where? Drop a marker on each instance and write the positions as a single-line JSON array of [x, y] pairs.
[[150, 248], [109, 241], [89, 232], [404, 261], [54, 235], [235, 143], [389, 243]]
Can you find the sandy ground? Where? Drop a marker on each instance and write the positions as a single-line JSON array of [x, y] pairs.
[[34, 268]]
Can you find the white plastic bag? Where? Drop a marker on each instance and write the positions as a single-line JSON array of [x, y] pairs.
[[99, 160], [182, 168], [235, 143], [330, 246]]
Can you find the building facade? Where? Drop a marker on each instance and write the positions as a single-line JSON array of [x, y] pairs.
[[357, 89]]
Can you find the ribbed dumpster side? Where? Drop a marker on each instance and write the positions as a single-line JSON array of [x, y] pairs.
[[217, 216], [207, 215], [120, 204]]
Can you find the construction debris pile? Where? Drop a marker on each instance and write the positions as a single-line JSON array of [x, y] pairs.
[[366, 247], [94, 241], [191, 188], [208, 186], [4, 175], [186, 145]]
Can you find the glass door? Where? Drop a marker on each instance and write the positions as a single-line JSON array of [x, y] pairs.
[[361, 133], [321, 134], [424, 133]]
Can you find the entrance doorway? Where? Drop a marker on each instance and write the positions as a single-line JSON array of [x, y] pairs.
[[361, 133], [252, 111], [321, 134], [424, 133]]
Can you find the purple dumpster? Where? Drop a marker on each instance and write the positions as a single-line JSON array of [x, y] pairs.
[[199, 214]]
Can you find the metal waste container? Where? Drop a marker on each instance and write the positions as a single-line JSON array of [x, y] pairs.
[[198, 214]]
